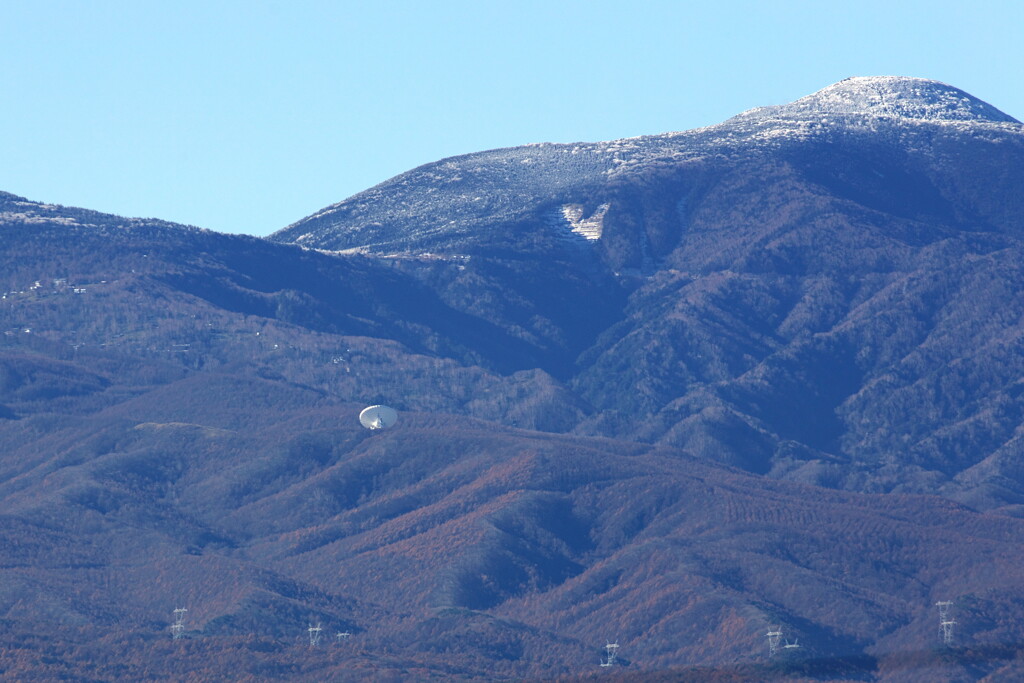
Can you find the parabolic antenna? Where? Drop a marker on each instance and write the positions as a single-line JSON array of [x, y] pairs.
[[378, 417]]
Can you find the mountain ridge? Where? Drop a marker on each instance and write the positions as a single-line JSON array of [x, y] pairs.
[[764, 381], [500, 178], [747, 253]]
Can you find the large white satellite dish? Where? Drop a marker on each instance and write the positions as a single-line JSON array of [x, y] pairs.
[[378, 417]]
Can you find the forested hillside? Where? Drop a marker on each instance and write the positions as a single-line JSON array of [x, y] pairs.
[[674, 392]]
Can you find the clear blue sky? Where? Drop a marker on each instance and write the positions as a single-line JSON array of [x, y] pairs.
[[246, 116]]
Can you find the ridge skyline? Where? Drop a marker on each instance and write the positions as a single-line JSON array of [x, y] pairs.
[[254, 124], [768, 355], [509, 180], [978, 111]]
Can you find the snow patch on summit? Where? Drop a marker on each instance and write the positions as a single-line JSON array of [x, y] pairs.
[[896, 97]]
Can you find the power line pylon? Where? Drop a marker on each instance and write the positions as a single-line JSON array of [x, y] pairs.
[[611, 652], [946, 623], [178, 627]]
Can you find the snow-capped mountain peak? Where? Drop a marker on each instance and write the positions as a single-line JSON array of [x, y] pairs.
[[890, 97], [458, 204]]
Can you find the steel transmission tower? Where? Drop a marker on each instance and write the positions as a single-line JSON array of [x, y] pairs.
[[946, 623], [178, 627], [611, 652]]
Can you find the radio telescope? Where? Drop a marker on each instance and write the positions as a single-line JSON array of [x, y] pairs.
[[378, 417]]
